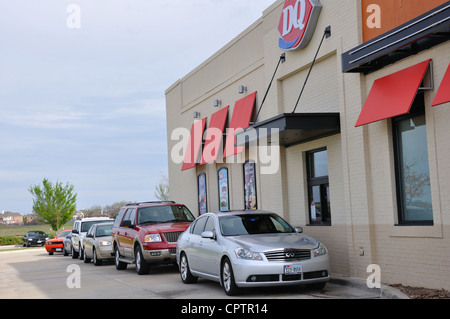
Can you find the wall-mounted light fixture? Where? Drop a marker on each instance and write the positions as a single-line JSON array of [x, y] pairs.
[[196, 115], [217, 103], [242, 89]]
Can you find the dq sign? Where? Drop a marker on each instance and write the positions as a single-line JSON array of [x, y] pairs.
[[297, 23]]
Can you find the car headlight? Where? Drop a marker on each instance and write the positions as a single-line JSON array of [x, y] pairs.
[[152, 238], [104, 243], [30, 239], [321, 250], [243, 253]]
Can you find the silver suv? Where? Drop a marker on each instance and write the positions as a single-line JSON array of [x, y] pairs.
[[80, 228]]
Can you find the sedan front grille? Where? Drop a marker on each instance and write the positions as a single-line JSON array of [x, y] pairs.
[[173, 236], [288, 254]]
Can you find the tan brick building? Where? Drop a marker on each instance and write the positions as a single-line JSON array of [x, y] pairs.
[[362, 164]]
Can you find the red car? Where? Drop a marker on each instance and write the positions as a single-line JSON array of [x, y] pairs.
[[56, 244], [146, 233]]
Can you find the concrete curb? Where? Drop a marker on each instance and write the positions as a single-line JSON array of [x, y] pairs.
[[385, 291]]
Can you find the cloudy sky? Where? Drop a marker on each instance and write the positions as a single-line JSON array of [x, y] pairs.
[[86, 104]]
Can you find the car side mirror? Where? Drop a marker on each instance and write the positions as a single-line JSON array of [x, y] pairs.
[[74, 231], [298, 229], [126, 223], [90, 235], [208, 234]]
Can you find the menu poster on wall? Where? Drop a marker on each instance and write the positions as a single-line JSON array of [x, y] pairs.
[[249, 186], [202, 193], [223, 190]]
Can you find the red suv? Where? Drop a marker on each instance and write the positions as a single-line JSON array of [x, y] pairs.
[[146, 233]]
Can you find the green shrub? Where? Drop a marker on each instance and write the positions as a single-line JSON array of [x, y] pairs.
[[10, 240]]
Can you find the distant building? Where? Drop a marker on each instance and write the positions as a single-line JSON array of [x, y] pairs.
[[10, 218], [30, 219]]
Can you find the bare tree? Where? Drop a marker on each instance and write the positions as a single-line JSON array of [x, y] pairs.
[[162, 189]]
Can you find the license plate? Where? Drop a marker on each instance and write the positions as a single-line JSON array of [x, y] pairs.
[[58, 249], [292, 269]]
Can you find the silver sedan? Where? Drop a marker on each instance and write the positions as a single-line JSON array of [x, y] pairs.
[[250, 249], [98, 243]]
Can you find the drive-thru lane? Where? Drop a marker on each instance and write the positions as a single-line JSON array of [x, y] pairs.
[[32, 273]]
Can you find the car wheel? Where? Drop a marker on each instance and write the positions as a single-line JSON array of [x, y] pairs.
[[120, 265], [65, 253], [74, 253], [81, 255], [228, 282], [142, 267], [185, 271], [85, 258], [97, 261], [50, 253]]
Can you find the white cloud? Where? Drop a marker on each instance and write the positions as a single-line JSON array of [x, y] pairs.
[[48, 116]]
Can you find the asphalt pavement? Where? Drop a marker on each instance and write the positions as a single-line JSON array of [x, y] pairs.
[[31, 273]]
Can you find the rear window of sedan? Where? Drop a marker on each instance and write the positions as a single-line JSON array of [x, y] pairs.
[[252, 224]]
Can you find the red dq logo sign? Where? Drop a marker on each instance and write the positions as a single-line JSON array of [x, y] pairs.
[[297, 23]]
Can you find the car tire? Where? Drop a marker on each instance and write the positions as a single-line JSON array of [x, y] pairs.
[[97, 261], [120, 265], [86, 259], [185, 271], [81, 254], [228, 283], [50, 253], [74, 253], [142, 267], [65, 253]]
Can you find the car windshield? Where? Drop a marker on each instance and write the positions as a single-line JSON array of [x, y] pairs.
[[164, 214], [64, 233], [37, 233], [252, 224], [104, 230], [86, 225]]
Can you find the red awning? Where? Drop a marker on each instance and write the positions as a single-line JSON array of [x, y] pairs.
[[393, 95], [443, 93], [242, 114], [191, 158], [214, 134]]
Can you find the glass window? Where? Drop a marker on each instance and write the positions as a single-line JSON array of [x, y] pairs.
[[119, 218], [199, 226], [103, 230], [253, 224], [86, 225], [319, 163], [250, 186], [164, 214], [224, 204], [318, 187], [210, 226], [412, 169]]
